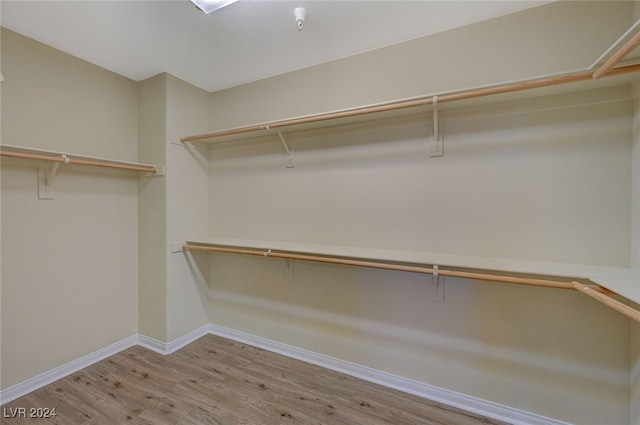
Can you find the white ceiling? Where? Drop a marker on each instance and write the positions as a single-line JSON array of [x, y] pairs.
[[246, 41]]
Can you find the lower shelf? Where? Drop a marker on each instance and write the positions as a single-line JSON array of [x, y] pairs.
[[622, 281]]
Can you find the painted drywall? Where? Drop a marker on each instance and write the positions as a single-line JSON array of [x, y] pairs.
[[152, 210], [173, 291], [524, 179], [634, 354], [69, 281], [187, 206], [516, 194]]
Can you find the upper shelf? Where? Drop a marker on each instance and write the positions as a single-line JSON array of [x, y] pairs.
[[47, 173], [400, 107], [23, 152], [607, 65]]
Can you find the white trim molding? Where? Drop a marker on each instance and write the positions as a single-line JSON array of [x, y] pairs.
[[166, 348], [409, 386], [46, 378], [451, 398]]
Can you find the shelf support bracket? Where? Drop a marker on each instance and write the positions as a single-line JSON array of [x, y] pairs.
[[46, 178], [289, 161], [288, 268], [436, 292], [436, 148], [160, 171]]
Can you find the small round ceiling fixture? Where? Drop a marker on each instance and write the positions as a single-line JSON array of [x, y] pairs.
[[300, 13]]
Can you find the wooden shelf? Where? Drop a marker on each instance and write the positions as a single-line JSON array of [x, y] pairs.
[[622, 281], [24, 152], [52, 159], [566, 82]]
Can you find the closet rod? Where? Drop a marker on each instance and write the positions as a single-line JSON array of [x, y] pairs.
[[620, 54], [597, 292], [79, 161], [616, 45], [445, 97], [607, 300], [392, 266]]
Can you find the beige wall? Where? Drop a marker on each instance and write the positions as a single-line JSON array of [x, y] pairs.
[[634, 355], [69, 281], [173, 291], [152, 211], [187, 207], [502, 164], [525, 179]]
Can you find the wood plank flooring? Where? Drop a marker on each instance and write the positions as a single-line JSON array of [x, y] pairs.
[[216, 381]]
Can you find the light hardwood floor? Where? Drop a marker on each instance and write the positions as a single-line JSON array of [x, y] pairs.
[[216, 381]]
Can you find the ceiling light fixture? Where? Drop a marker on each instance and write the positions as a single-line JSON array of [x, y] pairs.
[[300, 13], [208, 6]]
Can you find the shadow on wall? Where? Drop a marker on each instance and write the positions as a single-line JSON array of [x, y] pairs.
[[483, 332]]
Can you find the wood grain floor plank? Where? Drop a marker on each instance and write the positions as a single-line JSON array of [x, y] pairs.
[[216, 381], [100, 420], [198, 416]]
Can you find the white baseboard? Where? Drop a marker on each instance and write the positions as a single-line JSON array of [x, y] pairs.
[[441, 395], [46, 378], [430, 392], [166, 348]]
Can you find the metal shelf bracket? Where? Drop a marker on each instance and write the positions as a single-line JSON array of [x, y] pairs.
[[436, 148], [436, 292], [288, 268], [46, 178], [289, 159]]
